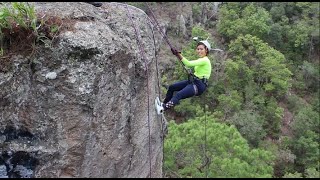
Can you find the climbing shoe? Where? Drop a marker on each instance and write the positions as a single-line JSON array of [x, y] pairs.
[[159, 106]]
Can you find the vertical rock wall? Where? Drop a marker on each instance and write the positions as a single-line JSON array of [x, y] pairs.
[[84, 107]]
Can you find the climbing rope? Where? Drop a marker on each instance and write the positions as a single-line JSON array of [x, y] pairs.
[[165, 37], [163, 123], [141, 48], [189, 74], [162, 33], [156, 58], [205, 138]]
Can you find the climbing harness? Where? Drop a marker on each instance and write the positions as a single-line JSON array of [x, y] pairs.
[[141, 48], [192, 78]]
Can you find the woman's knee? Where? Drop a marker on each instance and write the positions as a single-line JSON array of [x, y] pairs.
[[171, 87]]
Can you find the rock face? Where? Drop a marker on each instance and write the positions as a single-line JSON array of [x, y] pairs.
[[84, 107]]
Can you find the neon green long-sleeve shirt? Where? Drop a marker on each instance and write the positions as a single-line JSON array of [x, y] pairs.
[[202, 66]]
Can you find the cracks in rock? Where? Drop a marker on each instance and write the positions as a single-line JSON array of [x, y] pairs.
[[84, 18], [83, 54], [130, 142], [130, 129], [10, 133], [17, 164]]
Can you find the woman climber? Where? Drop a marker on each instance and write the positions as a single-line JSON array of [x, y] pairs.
[[198, 82]]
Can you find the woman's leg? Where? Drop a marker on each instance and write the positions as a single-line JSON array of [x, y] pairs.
[[175, 87], [186, 92], [185, 89]]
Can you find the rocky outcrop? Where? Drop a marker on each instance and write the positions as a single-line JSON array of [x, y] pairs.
[[84, 107]]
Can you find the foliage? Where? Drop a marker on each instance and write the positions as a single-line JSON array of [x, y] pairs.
[[294, 103], [299, 85], [264, 63], [315, 101], [235, 21], [305, 119], [238, 74], [306, 148], [293, 175], [308, 24], [310, 75], [202, 34], [307, 77], [250, 126], [299, 29], [230, 102], [196, 11], [273, 115], [204, 12], [187, 108], [21, 28], [253, 97], [228, 151], [277, 11], [285, 160], [310, 173], [272, 58], [20, 14], [292, 28], [255, 65]]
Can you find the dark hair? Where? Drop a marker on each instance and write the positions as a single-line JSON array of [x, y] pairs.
[[201, 43]]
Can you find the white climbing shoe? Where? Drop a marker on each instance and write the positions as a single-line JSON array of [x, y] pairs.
[[158, 105]]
